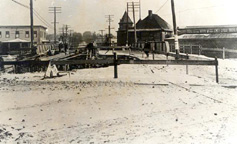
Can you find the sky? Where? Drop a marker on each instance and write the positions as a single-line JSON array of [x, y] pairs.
[[89, 15]]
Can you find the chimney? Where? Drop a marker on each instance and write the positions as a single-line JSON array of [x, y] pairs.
[[150, 13]]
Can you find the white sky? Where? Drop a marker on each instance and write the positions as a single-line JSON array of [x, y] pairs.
[[84, 15]]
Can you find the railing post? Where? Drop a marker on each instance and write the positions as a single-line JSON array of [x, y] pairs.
[[216, 66], [187, 65], [115, 65], [223, 53]]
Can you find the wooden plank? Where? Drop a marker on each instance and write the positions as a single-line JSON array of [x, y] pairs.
[[219, 50], [111, 61], [181, 55], [169, 62]]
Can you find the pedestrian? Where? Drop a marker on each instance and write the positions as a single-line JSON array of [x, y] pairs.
[[147, 48], [65, 48], [60, 46]]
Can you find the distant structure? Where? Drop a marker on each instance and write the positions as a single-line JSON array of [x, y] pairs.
[[124, 24], [15, 38], [8, 33], [152, 28], [212, 36]]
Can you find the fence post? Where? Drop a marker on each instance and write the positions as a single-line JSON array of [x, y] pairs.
[[187, 65], [115, 65], [216, 66], [191, 47], [223, 53], [199, 50]]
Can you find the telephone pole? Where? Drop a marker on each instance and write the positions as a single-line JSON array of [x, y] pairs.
[[31, 25], [109, 27], [55, 10], [133, 6], [176, 41]]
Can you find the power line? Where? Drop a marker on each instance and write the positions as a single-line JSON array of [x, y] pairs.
[[55, 10], [161, 6], [36, 14], [192, 9]]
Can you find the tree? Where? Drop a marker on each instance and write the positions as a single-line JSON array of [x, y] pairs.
[[87, 37], [76, 39]]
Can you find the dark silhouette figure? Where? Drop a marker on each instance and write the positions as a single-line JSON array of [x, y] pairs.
[[65, 48], [147, 48]]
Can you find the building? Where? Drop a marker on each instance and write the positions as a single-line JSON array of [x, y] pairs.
[[16, 38], [8, 33], [217, 36], [124, 24], [207, 40], [152, 28]]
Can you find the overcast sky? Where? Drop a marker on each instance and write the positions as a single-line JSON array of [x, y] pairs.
[[89, 15]]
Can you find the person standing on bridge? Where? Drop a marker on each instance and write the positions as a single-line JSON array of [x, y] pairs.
[[65, 48], [147, 48]]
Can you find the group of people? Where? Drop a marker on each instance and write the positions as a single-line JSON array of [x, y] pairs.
[[62, 46]]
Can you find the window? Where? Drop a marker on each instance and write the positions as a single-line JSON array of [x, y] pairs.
[[231, 29], [27, 34], [35, 34], [17, 34], [210, 31], [189, 31], [0, 34], [41, 34], [224, 30], [197, 31], [217, 30], [7, 34], [203, 31]]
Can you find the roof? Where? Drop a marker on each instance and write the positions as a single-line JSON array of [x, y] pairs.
[[21, 26], [153, 21], [125, 18], [208, 26], [208, 36], [16, 41], [149, 30]]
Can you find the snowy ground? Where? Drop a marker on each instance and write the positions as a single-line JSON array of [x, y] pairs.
[[146, 104]]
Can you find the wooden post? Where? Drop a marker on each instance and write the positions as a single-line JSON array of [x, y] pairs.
[[115, 66], [199, 50], [223, 53], [153, 49], [191, 49], [176, 41], [217, 76], [187, 65]]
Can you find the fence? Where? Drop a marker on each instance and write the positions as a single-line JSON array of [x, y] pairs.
[[44, 49], [211, 52], [37, 64]]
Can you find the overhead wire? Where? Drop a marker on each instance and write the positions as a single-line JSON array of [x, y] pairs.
[[161, 6], [36, 14]]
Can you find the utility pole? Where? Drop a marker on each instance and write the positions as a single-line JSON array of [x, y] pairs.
[[66, 28], [71, 37], [102, 35], [55, 10], [140, 10], [63, 34], [133, 6], [127, 25], [31, 25], [109, 27], [135, 29], [176, 41]]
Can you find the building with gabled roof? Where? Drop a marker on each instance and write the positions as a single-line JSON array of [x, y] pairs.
[[151, 28], [124, 24]]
